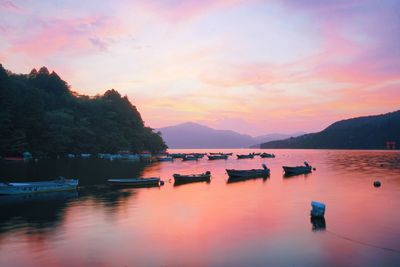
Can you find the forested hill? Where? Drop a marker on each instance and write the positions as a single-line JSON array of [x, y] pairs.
[[370, 132], [39, 113]]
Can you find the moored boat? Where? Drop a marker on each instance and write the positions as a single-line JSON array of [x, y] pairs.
[[307, 168], [267, 155], [253, 173], [219, 156], [189, 178], [177, 155], [190, 157], [61, 184], [136, 182], [248, 156], [166, 158]]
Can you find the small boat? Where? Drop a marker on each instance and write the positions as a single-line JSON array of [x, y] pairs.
[[177, 155], [256, 154], [190, 178], [136, 182], [253, 173], [214, 157], [60, 184], [189, 157], [297, 169], [220, 153], [267, 155], [248, 156], [166, 158], [199, 155]]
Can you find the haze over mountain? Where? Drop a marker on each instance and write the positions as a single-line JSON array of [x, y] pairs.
[[370, 132], [194, 135]]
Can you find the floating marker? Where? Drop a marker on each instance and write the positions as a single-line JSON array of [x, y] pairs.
[[318, 209], [377, 183]]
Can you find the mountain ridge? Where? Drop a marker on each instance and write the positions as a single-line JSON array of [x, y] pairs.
[[195, 135], [366, 132]]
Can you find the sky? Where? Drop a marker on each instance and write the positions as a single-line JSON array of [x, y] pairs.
[[252, 66]]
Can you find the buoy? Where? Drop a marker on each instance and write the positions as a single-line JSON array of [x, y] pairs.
[[381, 164], [314, 169], [318, 209], [377, 183]]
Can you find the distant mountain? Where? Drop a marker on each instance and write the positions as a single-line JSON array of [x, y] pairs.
[[371, 132], [193, 135], [275, 136]]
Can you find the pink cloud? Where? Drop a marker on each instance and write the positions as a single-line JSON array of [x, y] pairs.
[[65, 36], [178, 11]]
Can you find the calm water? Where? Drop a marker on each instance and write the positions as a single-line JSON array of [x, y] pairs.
[[251, 223]]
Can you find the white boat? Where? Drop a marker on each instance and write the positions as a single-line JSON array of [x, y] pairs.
[[166, 158], [137, 182], [60, 184]]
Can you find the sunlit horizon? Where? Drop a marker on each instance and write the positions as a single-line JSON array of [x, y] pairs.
[[255, 67]]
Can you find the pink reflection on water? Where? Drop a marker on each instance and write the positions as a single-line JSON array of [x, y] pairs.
[[255, 222]]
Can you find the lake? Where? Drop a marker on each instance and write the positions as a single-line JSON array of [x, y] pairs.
[[258, 222]]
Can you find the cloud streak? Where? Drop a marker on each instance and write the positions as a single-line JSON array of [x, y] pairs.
[[255, 66]]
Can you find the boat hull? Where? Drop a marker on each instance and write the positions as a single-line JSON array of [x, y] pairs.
[[245, 156], [243, 174], [215, 157], [181, 179], [266, 155], [38, 187], [135, 182], [297, 170]]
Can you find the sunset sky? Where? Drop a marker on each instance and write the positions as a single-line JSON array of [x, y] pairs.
[[255, 67]]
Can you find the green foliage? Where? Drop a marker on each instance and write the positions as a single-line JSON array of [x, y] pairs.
[[40, 114], [359, 133]]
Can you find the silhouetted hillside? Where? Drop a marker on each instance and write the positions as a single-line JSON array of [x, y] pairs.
[[193, 135], [38, 113], [370, 132]]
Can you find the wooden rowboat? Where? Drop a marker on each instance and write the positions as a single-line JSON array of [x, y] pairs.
[[253, 173], [249, 156], [214, 157], [136, 182], [267, 155], [289, 171], [60, 184], [190, 178]]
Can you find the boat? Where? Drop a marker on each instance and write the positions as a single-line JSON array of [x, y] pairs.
[[214, 157], [253, 173], [61, 184], [189, 157], [166, 158], [220, 153], [248, 156], [267, 155], [190, 178], [199, 155], [297, 169], [177, 155], [136, 182]]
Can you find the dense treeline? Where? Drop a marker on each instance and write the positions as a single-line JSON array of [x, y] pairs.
[[39, 113], [370, 132]]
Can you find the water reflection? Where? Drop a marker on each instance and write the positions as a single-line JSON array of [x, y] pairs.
[[245, 224], [35, 211], [318, 223], [242, 179], [189, 182]]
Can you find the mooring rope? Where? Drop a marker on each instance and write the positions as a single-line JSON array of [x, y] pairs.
[[362, 243]]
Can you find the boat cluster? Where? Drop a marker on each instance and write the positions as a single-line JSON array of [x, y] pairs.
[[210, 156], [233, 175]]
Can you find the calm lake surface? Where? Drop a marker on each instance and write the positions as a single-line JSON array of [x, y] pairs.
[[250, 223]]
